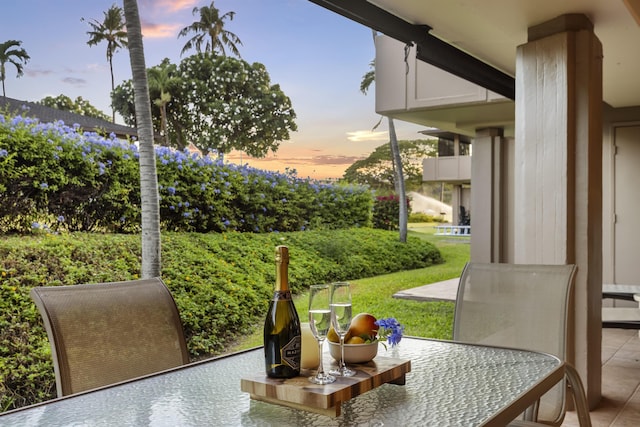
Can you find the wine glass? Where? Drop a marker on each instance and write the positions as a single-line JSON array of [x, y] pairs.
[[341, 320], [319, 321]]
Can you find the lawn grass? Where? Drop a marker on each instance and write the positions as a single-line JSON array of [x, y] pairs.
[[374, 294]]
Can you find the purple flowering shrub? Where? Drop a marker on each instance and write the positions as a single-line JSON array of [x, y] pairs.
[[56, 177]]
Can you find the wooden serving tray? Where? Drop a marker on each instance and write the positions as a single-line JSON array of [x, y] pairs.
[[326, 399]]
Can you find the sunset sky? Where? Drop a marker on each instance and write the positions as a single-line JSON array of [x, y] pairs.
[[316, 56]]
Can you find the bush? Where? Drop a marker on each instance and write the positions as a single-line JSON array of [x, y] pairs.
[[386, 212], [423, 217], [56, 177], [222, 284]]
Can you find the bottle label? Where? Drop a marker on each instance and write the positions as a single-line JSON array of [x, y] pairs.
[[291, 352], [281, 295]]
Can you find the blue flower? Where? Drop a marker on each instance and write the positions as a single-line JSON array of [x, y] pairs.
[[390, 329]]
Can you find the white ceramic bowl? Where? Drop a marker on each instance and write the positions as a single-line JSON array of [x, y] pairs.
[[354, 353]]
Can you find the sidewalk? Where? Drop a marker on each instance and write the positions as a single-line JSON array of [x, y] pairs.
[[439, 291]]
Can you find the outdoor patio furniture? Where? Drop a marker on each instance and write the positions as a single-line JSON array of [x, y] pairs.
[[453, 230], [105, 333], [621, 317], [450, 384], [522, 306]]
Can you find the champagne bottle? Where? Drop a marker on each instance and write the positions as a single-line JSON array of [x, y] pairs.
[[282, 338]]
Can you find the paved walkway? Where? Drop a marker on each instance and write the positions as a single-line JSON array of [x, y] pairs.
[[439, 291]]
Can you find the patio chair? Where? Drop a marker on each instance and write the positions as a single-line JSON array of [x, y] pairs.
[[102, 334], [527, 307]]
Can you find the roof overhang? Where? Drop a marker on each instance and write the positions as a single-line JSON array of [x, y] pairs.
[[430, 49], [492, 30]]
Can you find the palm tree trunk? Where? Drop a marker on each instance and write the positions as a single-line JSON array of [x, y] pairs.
[[396, 161], [399, 181], [150, 200], [163, 118], [113, 86]]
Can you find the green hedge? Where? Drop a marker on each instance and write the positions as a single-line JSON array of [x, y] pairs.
[[222, 284], [423, 217]]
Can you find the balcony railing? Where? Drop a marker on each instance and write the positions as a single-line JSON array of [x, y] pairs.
[[454, 169]]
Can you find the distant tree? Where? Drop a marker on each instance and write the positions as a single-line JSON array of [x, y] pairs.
[[226, 104], [368, 79], [150, 198], [377, 169], [396, 161], [209, 30], [163, 81], [223, 104], [122, 101], [112, 30], [79, 106], [12, 53]]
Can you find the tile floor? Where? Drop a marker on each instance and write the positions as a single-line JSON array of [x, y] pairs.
[[620, 404]]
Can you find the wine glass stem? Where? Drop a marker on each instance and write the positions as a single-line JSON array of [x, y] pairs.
[[342, 364], [320, 366]]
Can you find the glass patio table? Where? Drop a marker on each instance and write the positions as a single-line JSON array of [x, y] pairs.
[[450, 384]]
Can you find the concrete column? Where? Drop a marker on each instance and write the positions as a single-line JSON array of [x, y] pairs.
[[558, 171], [455, 205], [488, 215]]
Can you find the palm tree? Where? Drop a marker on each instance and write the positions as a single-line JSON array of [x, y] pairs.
[[162, 80], [12, 53], [113, 31], [396, 160], [150, 204], [210, 24]]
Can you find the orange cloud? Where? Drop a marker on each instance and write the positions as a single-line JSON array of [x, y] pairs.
[[319, 160], [156, 14], [175, 5], [163, 6], [158, 31], [314, 166], [335, 160]]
